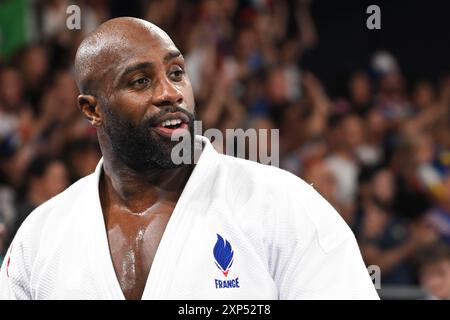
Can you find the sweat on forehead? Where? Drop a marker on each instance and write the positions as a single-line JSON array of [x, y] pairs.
[[102, 49]]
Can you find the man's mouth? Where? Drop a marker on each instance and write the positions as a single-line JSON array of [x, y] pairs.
[[172, 123]]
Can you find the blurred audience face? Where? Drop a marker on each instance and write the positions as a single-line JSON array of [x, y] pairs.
[[319, 175], [277, 86], [66, 90], [423, 150], [375, 220], [290, 52], [383, 187], [360, 88], [290, 134], [84, 162], [65, 85], [442, 135], [375, 123], [211, 9], [229, 7], [264, 146], [392, 85], [435, 278], [247, 43], [34, 65], [263, 23], [14, 166], [161, 12], [10, 88], [350, 132], [423, 94], [55, 179]]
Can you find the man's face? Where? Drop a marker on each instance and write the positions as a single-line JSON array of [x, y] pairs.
[[146, 97]]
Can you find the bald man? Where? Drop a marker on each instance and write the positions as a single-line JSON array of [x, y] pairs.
[[143, 227]]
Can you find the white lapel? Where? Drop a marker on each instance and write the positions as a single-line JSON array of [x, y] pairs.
[[165, 262]]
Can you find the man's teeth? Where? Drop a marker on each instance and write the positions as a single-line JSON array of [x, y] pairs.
[[172, 122]]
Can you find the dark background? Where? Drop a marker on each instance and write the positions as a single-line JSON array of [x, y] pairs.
[[416, 32]]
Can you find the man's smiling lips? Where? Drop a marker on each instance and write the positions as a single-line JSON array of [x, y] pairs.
[[172, 123]]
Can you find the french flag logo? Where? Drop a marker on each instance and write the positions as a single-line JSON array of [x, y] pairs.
[[223, 255]]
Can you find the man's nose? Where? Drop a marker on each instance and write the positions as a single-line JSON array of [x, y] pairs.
[[166, 93]]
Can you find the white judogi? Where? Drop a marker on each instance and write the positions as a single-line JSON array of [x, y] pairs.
[[282, 239]]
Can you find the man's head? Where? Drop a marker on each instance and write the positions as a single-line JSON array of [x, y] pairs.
[[134, 89]]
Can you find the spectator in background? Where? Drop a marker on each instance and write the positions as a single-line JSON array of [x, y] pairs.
[[44, 179], [265, 147], [387, 239], [439, 215], [16, 123], [33, 63], [391, 98], [15, 114], [390, 243], [434, 271], [376, 133], [82, 156], [320, 176], [424, 95], [60, 121], [346, 136], [360, 93], [306, 139]]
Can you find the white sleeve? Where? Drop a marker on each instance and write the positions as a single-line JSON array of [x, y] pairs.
[[317, 252], [14, 277]]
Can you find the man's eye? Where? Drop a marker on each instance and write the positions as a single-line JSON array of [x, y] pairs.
[[141, 81], [177, 74]]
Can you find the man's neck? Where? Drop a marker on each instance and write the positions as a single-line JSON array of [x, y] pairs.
[[136, 191]]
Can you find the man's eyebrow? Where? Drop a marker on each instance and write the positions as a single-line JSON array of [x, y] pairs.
[[171, 55], [148, 65], [136, 67]]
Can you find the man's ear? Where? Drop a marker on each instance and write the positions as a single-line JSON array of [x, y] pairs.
[[90, 108]]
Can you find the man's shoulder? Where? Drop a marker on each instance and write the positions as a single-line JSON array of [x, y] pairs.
[[264, 175], [295, 202], [246, 181]]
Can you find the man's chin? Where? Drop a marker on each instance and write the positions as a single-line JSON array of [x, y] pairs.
[[152, 152], [154, 164]]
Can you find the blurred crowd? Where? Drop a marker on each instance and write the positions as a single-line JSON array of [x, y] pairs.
[[379, 152]]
